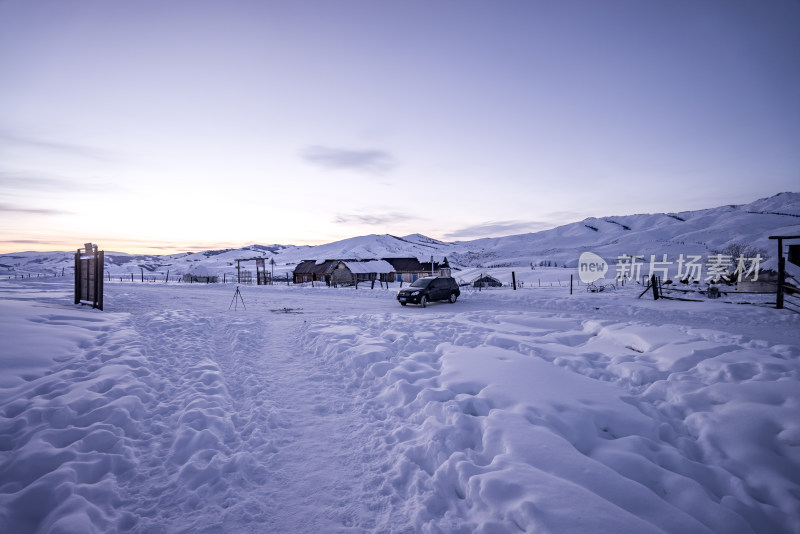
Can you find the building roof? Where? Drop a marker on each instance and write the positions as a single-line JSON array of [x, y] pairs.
[[382, 266], [305, 266], [369, 267], [485, 278], [404, 265], [315, 267]]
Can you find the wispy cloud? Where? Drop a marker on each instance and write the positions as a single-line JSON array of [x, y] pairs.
[[498, 228], [50, 244], [29, 241], [369, 161], [10, 208], [371, 219], [107, 243], [72, 149], [38, 181]]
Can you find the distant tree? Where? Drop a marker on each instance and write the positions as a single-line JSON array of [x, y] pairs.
[[737, 249]]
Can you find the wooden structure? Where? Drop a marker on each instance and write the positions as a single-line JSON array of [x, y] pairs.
[[89, 276], [352, 272], [314, 271], [262, 276], [409, 269], [349, 271], [783, 287], [343, 272]]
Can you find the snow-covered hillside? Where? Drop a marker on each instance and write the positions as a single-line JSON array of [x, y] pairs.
[[695, 232]]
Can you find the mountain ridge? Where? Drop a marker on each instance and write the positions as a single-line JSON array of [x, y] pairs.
[[688, 232]]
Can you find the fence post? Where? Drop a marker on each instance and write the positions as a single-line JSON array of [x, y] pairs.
[[514, 280], [99, 261], [781, 277], [77, 276]]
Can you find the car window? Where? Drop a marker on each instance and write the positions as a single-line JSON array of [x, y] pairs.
[[421, 283]]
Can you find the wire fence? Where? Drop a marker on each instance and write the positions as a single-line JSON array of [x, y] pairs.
[[728, 294]]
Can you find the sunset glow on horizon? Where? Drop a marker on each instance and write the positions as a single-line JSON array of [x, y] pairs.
[[153, 127]]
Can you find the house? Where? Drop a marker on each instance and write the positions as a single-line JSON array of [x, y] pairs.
[[348, 271], [486, 281], [314, 271], [343, 271], [409, 269], [406, 269], [304, 271], [435, 268]]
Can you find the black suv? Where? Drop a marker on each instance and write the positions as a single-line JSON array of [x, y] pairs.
[[429, 289]]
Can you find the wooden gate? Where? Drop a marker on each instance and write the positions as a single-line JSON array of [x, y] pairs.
[[89, 276], [787, 293]]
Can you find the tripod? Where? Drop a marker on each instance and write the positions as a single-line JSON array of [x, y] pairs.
[[237, 294]]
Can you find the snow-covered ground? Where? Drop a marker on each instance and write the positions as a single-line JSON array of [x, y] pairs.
[[337, 410]]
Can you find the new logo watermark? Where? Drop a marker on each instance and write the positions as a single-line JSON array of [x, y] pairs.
[[591, 267]]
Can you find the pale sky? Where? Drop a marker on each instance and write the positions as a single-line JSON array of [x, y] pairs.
[[164, 126]]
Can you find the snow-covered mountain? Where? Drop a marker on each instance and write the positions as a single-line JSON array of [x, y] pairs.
[[692, 232]]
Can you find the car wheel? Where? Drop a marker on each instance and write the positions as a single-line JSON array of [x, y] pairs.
[[453, 298], [423, 301], [403, 303]]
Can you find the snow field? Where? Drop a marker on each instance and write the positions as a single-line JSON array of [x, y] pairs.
[[128, 432], [321, 410], [533, 422]]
